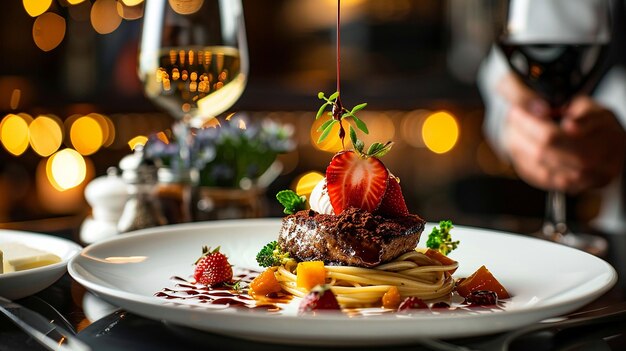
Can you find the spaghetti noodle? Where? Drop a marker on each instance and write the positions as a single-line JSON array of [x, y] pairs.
[[413, 273]]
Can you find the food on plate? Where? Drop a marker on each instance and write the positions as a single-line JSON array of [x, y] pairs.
[[358, 237], [319, 298], [212, 267], [18, 257], [482, 279]]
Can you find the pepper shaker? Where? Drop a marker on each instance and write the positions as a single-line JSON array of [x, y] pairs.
[[142, 209]]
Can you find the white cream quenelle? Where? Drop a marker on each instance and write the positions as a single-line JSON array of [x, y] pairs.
[[319, 201]]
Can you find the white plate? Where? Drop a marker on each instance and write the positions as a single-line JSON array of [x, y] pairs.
[[545, 279], [16, 285]]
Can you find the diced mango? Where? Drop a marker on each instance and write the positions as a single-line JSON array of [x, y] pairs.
[[264, 284], [482, 279], [391, 299], [310, 274]]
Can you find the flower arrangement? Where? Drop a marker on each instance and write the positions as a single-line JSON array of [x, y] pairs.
[[232, 153]]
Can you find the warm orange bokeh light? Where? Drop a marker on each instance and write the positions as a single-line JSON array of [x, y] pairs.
[[129, 12], [104, 16], [332, 143], [46, 135], [186, 7], [36, 7], [440, 132], [306, 182], [66, 169], [86, 135], [14, 134], [138, 140], [48, 31]]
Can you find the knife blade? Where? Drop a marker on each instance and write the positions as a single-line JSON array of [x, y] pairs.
[[39, 328]]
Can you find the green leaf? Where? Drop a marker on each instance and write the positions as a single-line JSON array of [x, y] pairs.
[[291, 201], [326, 131], [383, 150], [374, 148], [358, 107], [360, 124], [321, 110], [334, 96], [320, 95], [353, 137], [325, 125]]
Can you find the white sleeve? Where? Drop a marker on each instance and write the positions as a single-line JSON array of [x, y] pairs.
[[611, 93], [490, 73]]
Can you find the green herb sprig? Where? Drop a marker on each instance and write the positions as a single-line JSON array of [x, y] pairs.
[[291, 201], [337, 114]]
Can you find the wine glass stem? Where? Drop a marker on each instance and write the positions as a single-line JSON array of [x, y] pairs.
[[555, 214], [187, 170]]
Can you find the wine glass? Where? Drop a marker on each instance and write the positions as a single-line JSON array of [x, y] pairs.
[[193, 62], [556, 48]]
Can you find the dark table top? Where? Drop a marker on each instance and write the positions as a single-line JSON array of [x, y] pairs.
[[103, 327]]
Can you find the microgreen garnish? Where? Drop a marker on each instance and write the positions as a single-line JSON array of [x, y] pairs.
[[337, 114], [236, 286], [292, 201]]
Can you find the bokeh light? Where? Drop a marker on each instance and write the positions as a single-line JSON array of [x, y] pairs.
[[411, 127], [107, 127], [66, 169], [138, 140], [440, 132], [46, 135], [305, 183], [48, 31], [380, 126], [74, 2], [14, 133], [130, 12], [332, 143], [186, 7], [104, 16], [86, 135], [132, 2], [36, 7], [61, 201]]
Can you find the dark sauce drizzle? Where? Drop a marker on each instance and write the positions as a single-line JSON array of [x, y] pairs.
[[187, 292]]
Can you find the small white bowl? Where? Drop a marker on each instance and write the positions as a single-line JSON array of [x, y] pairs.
[[16, 285]]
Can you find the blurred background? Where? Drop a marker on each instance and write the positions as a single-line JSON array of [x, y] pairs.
[[71, 102]]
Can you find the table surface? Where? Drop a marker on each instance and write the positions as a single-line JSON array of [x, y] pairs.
[[103, 327]]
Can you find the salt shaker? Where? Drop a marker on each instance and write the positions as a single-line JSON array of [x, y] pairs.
[[107, 196], [142, 209]]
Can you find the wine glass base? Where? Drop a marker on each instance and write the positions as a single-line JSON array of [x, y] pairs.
[[592, 244]]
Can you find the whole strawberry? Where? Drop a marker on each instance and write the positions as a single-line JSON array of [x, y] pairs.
[[392, 205], [212, 267], [319, 298]]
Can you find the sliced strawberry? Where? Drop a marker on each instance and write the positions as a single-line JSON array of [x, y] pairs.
[[355, 181], [212, 267], [319, 298], [393, 204]]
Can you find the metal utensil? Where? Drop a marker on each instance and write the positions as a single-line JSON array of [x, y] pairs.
[[42, 330]]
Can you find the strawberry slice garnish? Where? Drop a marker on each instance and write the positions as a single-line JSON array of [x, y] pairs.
[[212, 267], [356, 180], [392, 204], [319, 298]]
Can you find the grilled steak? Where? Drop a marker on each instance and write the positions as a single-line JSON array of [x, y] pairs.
[[354, 238]]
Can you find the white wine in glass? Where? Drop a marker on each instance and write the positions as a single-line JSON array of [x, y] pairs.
[[193, 63]]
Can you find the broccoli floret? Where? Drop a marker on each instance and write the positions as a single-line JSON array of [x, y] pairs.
[[440, 238], [272, 255]]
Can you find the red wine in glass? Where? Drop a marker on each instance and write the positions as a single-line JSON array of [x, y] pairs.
[[555, 71]]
